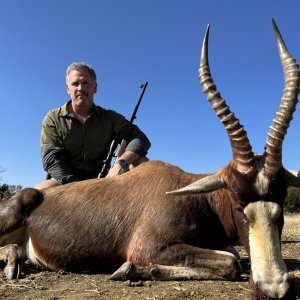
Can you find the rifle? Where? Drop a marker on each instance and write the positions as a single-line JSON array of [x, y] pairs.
[[116, 148]]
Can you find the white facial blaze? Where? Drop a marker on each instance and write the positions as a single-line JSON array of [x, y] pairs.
[[262, 183], [268, 268]]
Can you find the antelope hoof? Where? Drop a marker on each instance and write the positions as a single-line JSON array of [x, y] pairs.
[[122, 273], [12, 272], [233, 251], [11, 255]]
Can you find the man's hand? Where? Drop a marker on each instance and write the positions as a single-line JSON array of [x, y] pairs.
[[123, 164], [120, 167]]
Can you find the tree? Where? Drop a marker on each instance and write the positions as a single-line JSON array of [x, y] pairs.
[[292, 200], [6, 191]]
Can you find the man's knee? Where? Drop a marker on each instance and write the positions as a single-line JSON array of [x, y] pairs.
[[47, 184]]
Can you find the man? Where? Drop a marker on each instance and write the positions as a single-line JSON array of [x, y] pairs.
[[76, 137]]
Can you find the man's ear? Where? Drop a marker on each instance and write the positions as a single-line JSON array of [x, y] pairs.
[[95, 90], [67, 88]]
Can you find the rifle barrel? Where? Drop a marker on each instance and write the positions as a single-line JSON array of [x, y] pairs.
[[114, 145], [143, 87]]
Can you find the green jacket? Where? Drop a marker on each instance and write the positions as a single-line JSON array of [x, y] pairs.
[[74, 151]]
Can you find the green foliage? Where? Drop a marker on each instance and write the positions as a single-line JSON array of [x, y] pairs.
[[292, 200], [6, 191]]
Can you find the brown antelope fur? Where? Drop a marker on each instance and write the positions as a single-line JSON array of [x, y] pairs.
[[159, 222], [95, 225]]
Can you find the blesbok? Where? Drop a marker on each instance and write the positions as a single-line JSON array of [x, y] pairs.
[[160, 223]]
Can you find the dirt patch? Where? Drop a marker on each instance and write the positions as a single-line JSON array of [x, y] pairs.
[[36, 284]]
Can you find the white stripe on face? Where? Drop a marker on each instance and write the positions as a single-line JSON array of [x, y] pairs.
[[269, 271]]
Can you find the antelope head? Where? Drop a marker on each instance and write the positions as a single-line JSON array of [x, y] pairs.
[[258, 183]]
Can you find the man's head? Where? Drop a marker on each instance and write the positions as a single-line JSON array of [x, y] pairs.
[[81, 65], [81, 83]]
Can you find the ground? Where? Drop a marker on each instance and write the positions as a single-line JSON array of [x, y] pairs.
[[46, 285]]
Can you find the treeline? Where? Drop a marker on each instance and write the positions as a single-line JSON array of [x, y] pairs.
[[6, 190], [292, 201]]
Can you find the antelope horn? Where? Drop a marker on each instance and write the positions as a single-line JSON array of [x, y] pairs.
[[241, 149], [204, 185], [281, 123]]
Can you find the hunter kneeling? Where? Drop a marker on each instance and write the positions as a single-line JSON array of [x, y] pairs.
[[77, 136]]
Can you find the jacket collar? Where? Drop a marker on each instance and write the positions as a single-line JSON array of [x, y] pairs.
[[64, 110]]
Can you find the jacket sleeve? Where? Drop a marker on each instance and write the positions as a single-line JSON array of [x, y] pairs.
[[52, 152], [137, 141]]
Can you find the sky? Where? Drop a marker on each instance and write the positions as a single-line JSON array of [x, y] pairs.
[[134, 41]]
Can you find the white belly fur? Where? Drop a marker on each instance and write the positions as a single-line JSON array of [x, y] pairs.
[[33, 257]]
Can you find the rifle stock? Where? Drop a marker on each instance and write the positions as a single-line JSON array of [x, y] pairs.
[[107, 162], [122, 148]]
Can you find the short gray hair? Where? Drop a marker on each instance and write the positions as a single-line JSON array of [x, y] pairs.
[[81, 65]]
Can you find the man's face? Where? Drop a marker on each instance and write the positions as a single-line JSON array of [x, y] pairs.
[[81, 87]]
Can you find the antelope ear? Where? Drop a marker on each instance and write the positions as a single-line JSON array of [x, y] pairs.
[[205, 185], [292, 178]]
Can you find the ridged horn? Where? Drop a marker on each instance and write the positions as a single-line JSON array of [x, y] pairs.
[[281, 123], [204, 185], [241, 149]]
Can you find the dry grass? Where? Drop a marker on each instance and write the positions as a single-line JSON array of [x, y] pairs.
[[291, 230]]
